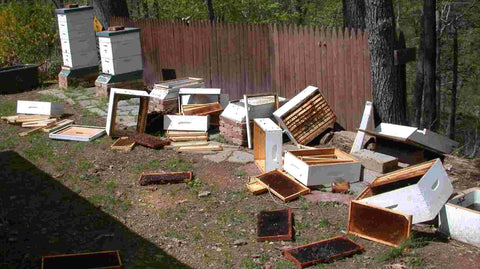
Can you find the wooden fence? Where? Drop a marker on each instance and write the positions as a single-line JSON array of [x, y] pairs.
[[256, 58]]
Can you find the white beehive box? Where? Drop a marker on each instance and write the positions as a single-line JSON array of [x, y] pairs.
[[460, 217], [267, 145], [423, 196], [186, 123], [258, 107], [170, 88], [39, 108], [121, 51], [315, 167], [77, 37]]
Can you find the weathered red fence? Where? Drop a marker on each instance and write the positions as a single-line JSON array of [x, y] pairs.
[[255, 58]]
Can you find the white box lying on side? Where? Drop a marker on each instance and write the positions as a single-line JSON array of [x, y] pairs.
[[422, 196], [258, 107], [186, 123], [169, 88], [39, 108], [315, 167], [460, 217], [267, 145]]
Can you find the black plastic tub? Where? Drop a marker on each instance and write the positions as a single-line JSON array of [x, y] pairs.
[[18, 78]]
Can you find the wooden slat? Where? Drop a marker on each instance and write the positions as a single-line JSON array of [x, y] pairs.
[[198, 148]]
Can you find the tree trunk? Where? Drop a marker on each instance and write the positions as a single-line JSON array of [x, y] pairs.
[[104, 9], [429, 91], [438, 25], [419, 81], [354, 14], [402, 76], [387, 100], [58, 3], [211, 14], [453, 105]]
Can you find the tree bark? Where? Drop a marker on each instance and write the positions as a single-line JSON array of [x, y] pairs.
[[402, 77], [429, 91], [419, 81], [438, 25], [104, 9], [453, 105], [58, 3], [211, 14], [354, 14], [387, 100]]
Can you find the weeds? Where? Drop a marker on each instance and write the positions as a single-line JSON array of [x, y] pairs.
[[323, 222], [241, 173], [109, 203], [219, 138], [194, 185], [178, 165], [413, 242], [50, 98]]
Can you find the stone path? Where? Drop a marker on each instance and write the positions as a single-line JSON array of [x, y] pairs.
[[127, 110]]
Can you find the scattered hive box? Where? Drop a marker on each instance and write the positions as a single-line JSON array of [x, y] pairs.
[[123, 144], [97, 260], [258, 107], [378, 224], [39, 108], [275, 225], [460, 217], [282, 185], [322, 251], [120, 51], [419, 190], [169, 89], [315, 167], [305, 116], [186, 123], [78, 133], [267, 145], [411, 135]]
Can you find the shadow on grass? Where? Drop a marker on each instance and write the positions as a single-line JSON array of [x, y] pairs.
[[39, 215]]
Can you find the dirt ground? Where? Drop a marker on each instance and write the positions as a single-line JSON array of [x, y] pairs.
[[69, 197]]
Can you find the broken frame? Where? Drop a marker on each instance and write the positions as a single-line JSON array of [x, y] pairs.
[[115, 96], [282, 185]]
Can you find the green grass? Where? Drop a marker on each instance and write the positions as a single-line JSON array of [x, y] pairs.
[[284, 264], [8, 108], [8, 138], [88, 113], [109, 203], [219, 138], [40, 148], [248, 263], [174, 234], [413, 242], [150, 166], [323, 222], [301, 225], [50, 98], [84, 165], [178, 164], [241, 173]]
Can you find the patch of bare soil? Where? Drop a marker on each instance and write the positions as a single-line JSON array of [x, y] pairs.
[[68, 197]]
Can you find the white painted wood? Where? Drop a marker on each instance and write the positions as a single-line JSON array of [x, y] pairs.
[[258, 107], [459, 222], [120, 49], [320, 174], [424, 137], [113, 93], [76, 17], [162, 92], [203, 91], [247, 121], [364, 125], [79, 45], [273, 144], [292, 104], [122, 65], [80, 59], [186, 123], [78, 34], [57, 135], [422, 200], [119, 38], [82, 25], [205, 99], [39, 108]]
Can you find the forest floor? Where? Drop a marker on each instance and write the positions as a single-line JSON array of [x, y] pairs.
[[68, 197]]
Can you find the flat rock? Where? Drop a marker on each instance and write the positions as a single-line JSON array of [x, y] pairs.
[[241, 157], [219, 157], [203, 194]]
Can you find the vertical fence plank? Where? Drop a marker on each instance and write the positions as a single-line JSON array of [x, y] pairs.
[[366, 70], [342, 78]]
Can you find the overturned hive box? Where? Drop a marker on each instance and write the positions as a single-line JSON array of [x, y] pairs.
[[267, 145], [460, 217], [315, 167], [98, 260], [419, 190], [305, 116], [378, 224], [322, 251]]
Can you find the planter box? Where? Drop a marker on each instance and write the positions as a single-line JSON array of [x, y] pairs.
[[315, 167], [39, 108], [18, 78], [460, 217], [97, 260], [186, 123], [267, 145], [420, 190]]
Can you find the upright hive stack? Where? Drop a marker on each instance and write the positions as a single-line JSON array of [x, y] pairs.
[[79, 50], [121, 55]]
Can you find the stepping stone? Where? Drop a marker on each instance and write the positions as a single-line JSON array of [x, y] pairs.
[[241, 157]]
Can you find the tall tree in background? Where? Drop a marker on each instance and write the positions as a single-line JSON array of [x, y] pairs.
[[354, 14], [104, 9], [58, 3], [388, 102], [211, 15], [429, 89], [453, 105], [419, 80]]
